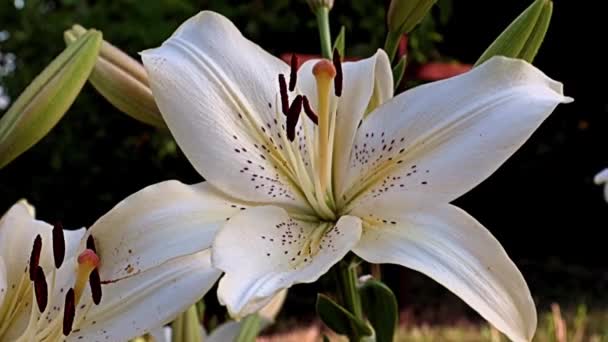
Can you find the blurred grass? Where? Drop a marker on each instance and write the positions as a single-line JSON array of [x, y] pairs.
[[572, 325]]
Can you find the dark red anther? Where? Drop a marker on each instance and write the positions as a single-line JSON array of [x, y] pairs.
[[58, 245], [91, 243], [308, 110], [69, 312], [293, 76], [292, 117], [284, 95], [95, 284], [35, 256], [339, 76], [40, 288]]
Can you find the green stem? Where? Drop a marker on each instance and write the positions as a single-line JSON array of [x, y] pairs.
[[187, 327], [322, 14], [347, 288], [391, 44]]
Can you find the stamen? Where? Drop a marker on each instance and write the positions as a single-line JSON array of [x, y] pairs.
[[35, 256], [69, 312], [339, 77], [95, 284], [293, 76], [292, 117], [284, 95], [87, 262], [58, 245], [309, 112], [40, 288], [91, 243]]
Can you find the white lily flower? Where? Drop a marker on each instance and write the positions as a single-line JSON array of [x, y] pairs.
[[64, 297], [335, 165], [602, 178]]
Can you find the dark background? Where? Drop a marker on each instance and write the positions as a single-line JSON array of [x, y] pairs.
[[542, 204]]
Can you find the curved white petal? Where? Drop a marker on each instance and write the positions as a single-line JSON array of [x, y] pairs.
[[218, 93], [3, 281], [450, 246], [136, 305], [18, 229], [446, 137], [159, 223], [602, 178], [263, 251]]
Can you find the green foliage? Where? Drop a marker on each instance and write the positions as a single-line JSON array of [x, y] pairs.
[[380, 306], [339, 319], [250, 328]]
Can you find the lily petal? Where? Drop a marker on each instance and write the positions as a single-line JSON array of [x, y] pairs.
[[18, 229], [450, 246], [161, 222], [602, 178], [263, 250], [218, 93], [134, 306], [446, 137], [3, 281]]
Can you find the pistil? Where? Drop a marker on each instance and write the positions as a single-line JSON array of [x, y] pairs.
[[87, 263], [324, 72]]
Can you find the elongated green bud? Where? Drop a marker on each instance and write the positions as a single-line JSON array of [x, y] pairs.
[[404, 15], [122, 81], [48, 97], [524, 36]]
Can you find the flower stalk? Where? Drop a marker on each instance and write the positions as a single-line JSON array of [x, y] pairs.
[[322, 14], [346, 273]]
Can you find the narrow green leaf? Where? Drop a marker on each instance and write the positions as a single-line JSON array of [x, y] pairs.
[[523, 37], [538, 33], [339, 319], [250, 329], [325, 338], [399, 70], [380, 306], [44, 102], [340, 42]]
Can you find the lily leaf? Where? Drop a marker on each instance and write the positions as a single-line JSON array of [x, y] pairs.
[[380, 305], [339, 319], [524, 36], [340, 41], [399, 70]]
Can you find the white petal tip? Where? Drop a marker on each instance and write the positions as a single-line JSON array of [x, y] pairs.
[[567, 99], [601, 177]]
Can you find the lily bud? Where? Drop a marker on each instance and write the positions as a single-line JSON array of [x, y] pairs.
[[122, 81], [48, 97], [523, 37], [404, 15], [316, 4]]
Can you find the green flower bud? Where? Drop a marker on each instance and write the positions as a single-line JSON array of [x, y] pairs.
[[122, 81], [404, 15], [48, 97], [316, 4], [523, 37]]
